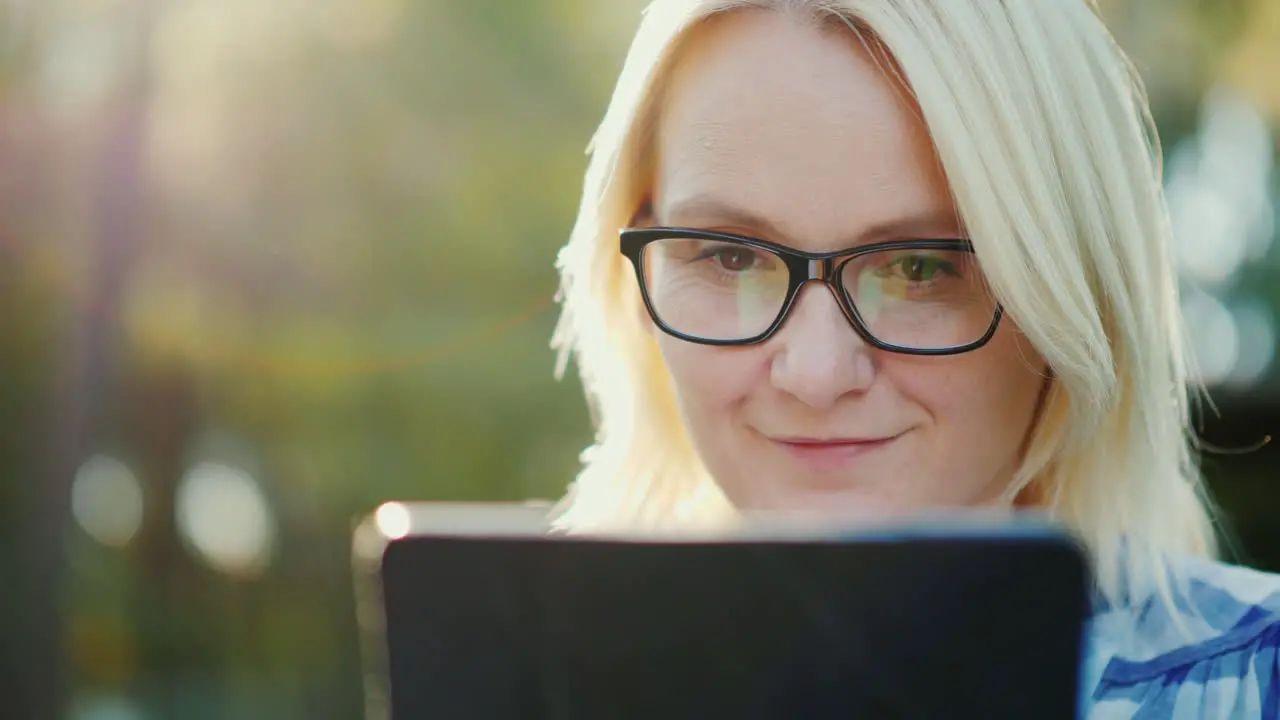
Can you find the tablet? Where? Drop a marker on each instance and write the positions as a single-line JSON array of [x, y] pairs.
[[485, 616]]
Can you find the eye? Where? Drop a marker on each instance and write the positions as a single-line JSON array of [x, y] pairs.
[[921, 268], [735, 259], [732, 258]]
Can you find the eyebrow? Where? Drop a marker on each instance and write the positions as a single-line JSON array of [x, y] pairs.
[[708, 209]]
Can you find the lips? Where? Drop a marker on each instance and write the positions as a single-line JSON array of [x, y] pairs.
[[829, 453], [829, 442]]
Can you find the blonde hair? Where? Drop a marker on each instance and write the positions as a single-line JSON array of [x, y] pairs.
[[1043, 130]]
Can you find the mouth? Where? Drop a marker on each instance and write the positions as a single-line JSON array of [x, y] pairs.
[[830, 452]]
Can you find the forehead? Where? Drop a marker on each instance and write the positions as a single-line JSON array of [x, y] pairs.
[[799, 126]]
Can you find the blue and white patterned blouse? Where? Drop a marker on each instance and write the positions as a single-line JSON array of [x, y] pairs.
[[1140, 664]]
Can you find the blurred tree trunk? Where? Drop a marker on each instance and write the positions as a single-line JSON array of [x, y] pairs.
[[26, 320], [28, 680], [63, 434], [162, 414]]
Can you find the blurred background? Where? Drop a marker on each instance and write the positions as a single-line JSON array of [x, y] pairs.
[[265, 264]]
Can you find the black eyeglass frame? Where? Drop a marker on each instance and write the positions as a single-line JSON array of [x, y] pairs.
[[802, 267]]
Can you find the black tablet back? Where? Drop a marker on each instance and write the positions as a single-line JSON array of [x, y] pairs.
[[974, 625]]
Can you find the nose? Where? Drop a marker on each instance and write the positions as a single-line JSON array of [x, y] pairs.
[[819, 357]]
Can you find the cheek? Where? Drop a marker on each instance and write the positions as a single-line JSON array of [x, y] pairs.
[[981, 402], [710, 381]]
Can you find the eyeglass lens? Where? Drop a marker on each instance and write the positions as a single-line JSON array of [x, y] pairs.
[[922, 298]]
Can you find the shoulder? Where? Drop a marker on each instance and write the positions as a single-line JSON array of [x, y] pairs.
[[1213, 654]]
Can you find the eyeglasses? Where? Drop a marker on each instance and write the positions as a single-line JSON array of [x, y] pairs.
[[916, 297]]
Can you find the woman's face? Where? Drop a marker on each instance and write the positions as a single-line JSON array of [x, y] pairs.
[[790, 132]]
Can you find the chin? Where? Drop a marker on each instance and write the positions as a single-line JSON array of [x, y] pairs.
[[812, 502]]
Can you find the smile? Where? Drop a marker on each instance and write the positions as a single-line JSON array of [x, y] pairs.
[[821, 453]]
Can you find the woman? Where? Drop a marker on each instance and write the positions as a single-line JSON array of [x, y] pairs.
[[885, 257]]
